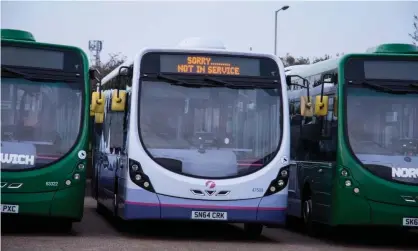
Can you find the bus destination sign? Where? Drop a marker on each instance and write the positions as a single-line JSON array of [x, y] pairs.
[[210, 65]]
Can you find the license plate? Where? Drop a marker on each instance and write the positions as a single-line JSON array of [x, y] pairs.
[[10, 209], [410, 222], [209, 215]]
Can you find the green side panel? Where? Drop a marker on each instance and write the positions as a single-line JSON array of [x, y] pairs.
[[17, 35]]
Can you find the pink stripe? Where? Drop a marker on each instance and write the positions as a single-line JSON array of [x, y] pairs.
[[249, 164], [248, 160], [205, 206], [46, 157]]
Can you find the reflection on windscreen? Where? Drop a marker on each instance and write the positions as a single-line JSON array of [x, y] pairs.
[[209, 132], [383, 133], [38, 120], [380, 123]]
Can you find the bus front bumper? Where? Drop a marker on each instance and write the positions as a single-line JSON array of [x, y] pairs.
[[141, 204], [393, 215], [66, 203]]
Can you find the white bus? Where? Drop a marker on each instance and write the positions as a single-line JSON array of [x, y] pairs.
[[199, 133]]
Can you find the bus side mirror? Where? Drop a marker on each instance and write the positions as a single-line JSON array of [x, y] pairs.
[[289, 80], [306, 108], [328, 78], [321, 105], [93, 74], [118, 101], [91, 112], [97, 102], [98, 118], [296, 120], [335, 106]]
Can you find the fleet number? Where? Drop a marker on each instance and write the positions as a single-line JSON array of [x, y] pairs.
[[258, 190], [51, 183]]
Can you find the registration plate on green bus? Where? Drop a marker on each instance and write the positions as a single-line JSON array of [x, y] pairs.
[[10, 209], [410, 222]]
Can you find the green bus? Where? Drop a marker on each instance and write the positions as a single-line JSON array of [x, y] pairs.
[[354, 139], [45, 97]]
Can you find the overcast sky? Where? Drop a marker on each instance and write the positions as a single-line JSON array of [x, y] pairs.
[[306, 29]]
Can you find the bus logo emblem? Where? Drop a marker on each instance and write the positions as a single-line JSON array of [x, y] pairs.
[[210, 184]]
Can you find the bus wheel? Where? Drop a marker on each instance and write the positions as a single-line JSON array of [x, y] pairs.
[[115, 205], [253, 230], [65, 226], [307, 214], [100, 209]]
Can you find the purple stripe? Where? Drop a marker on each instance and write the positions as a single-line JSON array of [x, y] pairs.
[[205, 206]]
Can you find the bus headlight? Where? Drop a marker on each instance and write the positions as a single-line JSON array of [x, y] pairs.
[[348, 183], [138, 176], [279, 182], [284, 173], [134, 167], [80, 166], [76, 176]]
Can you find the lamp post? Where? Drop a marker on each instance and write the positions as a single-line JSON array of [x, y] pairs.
[[275, 27]]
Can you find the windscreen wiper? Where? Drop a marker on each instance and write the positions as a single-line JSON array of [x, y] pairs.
[[252, 85], [36, 77], [17, 73], [269, 88], [218, 82], [384, 88], [174, 81]]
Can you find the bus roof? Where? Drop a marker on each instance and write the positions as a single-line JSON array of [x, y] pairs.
[[293, 67], [317, 68], [17, 35], [394, 48]]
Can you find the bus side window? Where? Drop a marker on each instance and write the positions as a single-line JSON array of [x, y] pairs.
[[295, 122], [321, 135], [330, 145], [115, 122], [106, 123], [126, 120]]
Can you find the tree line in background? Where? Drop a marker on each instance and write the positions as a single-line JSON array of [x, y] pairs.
[[414, 34], [116, 59]]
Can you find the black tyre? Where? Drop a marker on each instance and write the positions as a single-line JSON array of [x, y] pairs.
[[307, 216], [100, 209], [253, 230], [65, 226]]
